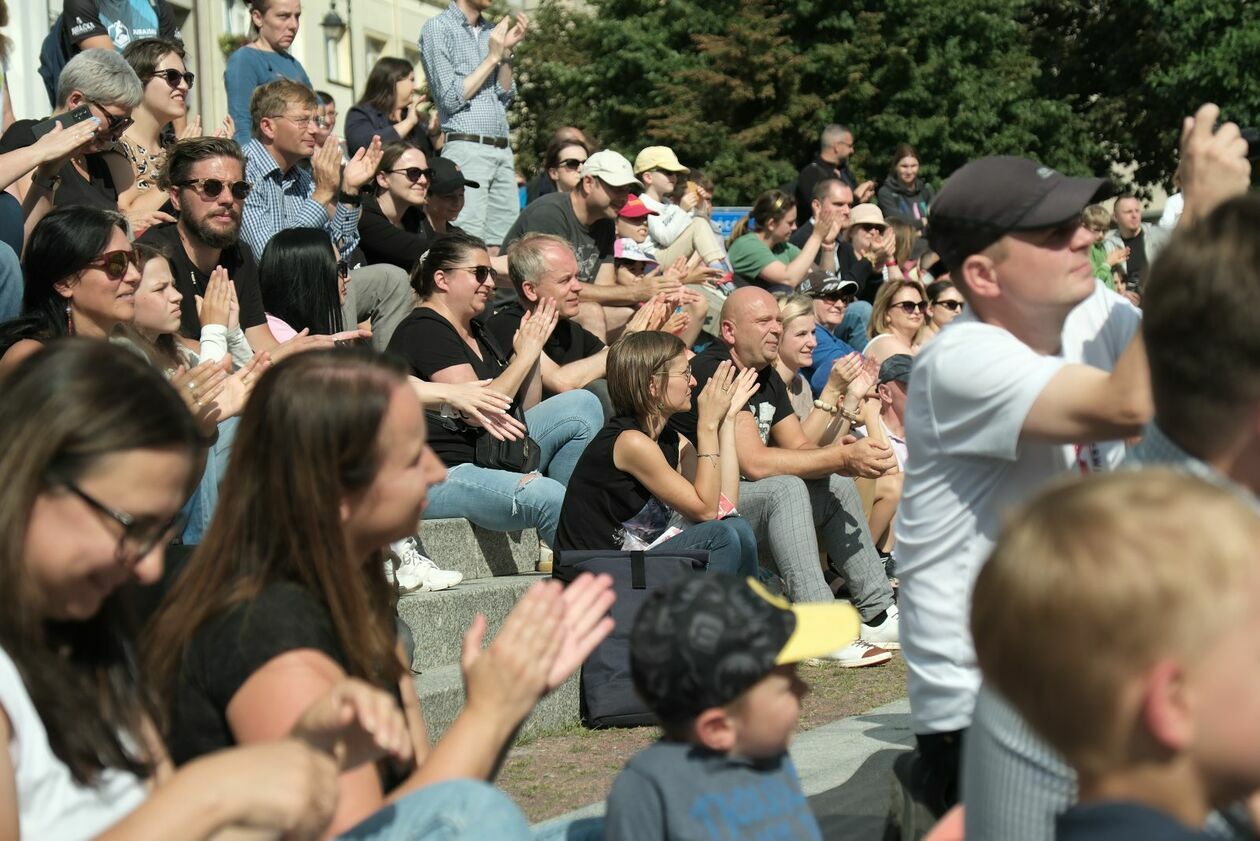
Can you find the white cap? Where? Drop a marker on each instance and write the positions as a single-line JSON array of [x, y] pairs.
[[612, 168]]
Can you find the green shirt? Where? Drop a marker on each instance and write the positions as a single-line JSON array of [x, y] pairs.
[[1102, 271], [749, 256]]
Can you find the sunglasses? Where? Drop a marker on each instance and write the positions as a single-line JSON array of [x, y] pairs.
[[482, 273], [414, 173], [172, 76], [571, 163], [846, 298], [211, 187], [139, 534], [114, 263], [952, 306], [115, 124], [343, 269], [871, 228], [910, 307]]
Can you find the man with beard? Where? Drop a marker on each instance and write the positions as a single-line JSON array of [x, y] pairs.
[[835, 145], [205, 177]]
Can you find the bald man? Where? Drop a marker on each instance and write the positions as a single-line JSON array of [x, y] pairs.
[[792, 486]]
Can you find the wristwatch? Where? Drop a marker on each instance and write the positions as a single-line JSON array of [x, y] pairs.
[[507, 57], [346, 198]]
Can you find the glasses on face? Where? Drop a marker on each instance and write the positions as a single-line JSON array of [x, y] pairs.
[[414, 173], [846, 298], [952, 306], [139, 534], [571, 163], [910, 307], [114, 263], [303, 123], [685, 372], [482, 273], [211, 187], [114, 124], [172, 76]]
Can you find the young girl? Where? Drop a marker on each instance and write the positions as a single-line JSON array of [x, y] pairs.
[[639, 481]]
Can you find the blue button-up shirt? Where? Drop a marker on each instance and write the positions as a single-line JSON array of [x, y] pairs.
[[450, 50], [282, 200]]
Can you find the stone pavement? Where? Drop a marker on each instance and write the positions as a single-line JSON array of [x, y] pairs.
[[845, 769]]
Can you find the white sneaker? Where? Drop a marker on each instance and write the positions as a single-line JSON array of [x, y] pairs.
[[416, 573], [888, 634], [857, 654]]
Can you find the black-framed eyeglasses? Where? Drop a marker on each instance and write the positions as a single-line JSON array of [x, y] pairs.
[[910, 307], [482, 273], [414, 173], [952, 306], [571, 163], [172, 76], [343, 269], [114, 263], [139, 534], [211, 187], [115, 124]]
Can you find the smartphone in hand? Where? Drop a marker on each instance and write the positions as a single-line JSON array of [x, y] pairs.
[[71, 118]]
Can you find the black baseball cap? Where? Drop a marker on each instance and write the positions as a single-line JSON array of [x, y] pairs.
[[986, 199], [702, 640], [896, 368], [447, 178], [818, 282]]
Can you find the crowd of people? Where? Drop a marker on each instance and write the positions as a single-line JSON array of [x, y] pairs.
[[269, 351]]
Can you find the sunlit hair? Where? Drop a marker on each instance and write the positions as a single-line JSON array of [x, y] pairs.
[[883, 303], [633, 362], [770, 207]]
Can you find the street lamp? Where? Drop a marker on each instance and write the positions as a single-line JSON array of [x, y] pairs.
[[334, 27]]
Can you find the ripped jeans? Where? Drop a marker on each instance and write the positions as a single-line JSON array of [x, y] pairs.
[[501, 501]]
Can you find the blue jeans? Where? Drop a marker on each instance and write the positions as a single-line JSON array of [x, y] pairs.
[[852, 329], [490, 209], [730, 542], [447, 811], [503, 501], [205, 499]]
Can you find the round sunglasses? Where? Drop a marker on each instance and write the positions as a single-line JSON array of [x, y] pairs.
[[414, 173], [114, 263], [211, 187], [172, 76]]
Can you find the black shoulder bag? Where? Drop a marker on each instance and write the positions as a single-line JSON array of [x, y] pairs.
[[521, 456]]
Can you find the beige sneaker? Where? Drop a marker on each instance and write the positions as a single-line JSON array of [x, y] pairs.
[[857, 654], [546, 558]]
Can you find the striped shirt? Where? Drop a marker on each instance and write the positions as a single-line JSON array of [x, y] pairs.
[[450, 50], [282, 200]]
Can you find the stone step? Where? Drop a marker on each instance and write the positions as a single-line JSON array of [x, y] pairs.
[[457, 544], [438, 620], [441, 691]]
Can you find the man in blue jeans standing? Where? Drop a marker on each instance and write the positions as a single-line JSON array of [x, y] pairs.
[[468, 64]]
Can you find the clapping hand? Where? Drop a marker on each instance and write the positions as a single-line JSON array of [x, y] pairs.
[[651, 316], [227, 128], [356, 723], [362, 167], [844, 371], [192, 129], [744, 388], [535, 329], [715, 398]]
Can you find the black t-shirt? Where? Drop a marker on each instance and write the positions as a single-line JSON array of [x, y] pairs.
[[123, 21], [381, 241], [770, 404], [191, 281], [553, 214], [1119, 821], [98, 190], [602, 504], [1136, 266], [428, 343], [569, 342]]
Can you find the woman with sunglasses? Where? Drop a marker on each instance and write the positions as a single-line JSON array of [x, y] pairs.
[[444, 342], [760, 253], [393, 227], [640, 484], [945, 303], [563, 162], [99, 457], [898, 320], [390, 108], [81, 279]]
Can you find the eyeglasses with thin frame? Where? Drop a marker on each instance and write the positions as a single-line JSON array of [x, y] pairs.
[[115, 124], [685, 372], [303, 123], [212, 187], [139, 534], [571, 163], [114, 263], [482, 273], [172, 77], [952, 306], [910, 307], [414, 173]]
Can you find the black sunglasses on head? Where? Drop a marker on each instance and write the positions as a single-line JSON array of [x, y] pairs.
[[415, 173], [211, 187], [172, 76]]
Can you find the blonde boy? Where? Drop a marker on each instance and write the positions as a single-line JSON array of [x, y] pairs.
[[1120, 615]]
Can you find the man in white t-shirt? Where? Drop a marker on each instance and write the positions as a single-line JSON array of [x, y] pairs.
[[991, 406]]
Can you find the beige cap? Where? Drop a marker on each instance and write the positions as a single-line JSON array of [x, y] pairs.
[[658, 157], [867, 214], [612, 168]]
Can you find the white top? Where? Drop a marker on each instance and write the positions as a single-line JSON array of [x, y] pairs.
[[1173, 207], [970, 391], [668, 226], [51, 804]]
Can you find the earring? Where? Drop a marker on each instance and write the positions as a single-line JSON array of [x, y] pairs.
[[69, 320]]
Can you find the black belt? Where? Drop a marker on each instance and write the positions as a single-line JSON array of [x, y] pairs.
[[496, 142]]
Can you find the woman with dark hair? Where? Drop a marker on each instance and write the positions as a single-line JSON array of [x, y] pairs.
[[81, 279], [640, 484], [904, 193], [99, 456], [303, 283], [262, 60], [285, 597], [393, 227], [443, 341], [760, 253], [945, 303], [390, 108], [559, 172]]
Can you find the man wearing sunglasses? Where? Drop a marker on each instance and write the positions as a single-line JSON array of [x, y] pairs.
[[101, 88]]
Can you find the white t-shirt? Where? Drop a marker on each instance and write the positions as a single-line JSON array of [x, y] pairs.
[[51, 804], [970, 390]]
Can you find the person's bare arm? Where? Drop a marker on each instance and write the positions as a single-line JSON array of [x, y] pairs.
[[1082, 404], [573, 375], [260, 338], [793, 455]]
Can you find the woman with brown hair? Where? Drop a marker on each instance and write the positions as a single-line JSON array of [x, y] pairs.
[[760, 253], [898, 319], [391, 109], [286, 596], [904, 194]]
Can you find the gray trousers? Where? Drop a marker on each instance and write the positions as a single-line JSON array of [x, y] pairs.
[[787, 513], [382, 293]]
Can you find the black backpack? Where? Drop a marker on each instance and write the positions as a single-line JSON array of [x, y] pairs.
[[608, 696], [53, 56]]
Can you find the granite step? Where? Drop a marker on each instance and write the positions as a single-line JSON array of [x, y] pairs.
[[456, 544], [441, 691]]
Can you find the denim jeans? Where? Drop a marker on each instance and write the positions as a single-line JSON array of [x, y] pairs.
[[448, 811], [852, 329], [731, 545], [205, 499], [490, 209], [503, 501]]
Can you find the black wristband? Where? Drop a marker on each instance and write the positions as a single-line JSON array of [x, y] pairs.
[[345, 198]]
